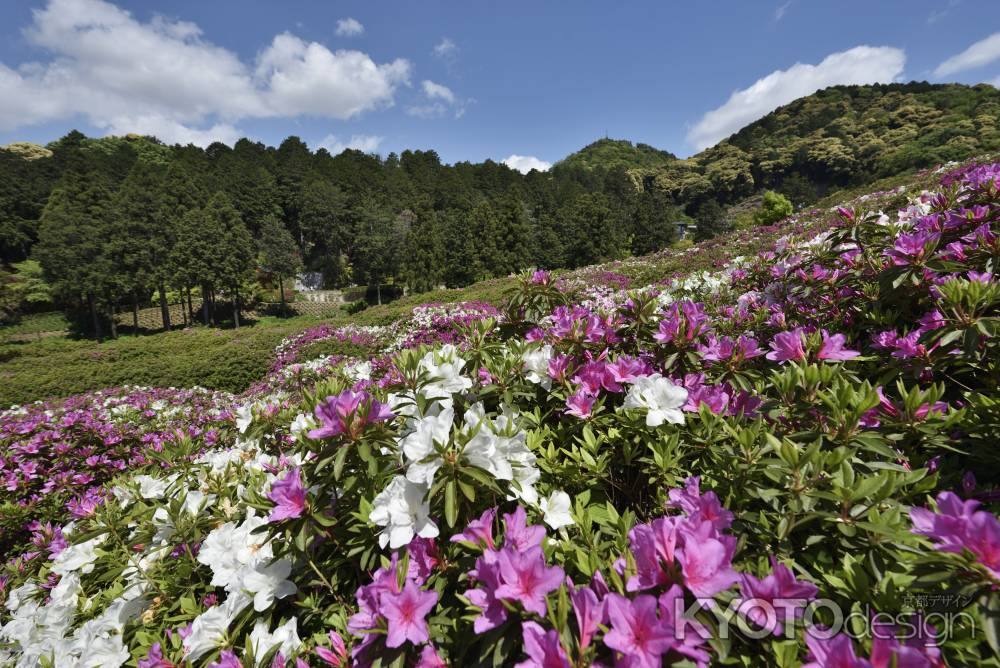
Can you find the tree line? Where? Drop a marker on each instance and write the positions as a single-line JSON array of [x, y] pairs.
[[122, 222]]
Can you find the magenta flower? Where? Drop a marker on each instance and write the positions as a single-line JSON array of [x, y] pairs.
[[429, 658], [518, 534], [835, 652], [526, 579], [580, 404], [833, 348], [653, 546], [788, 346], [154, 658], [479, 530], [589, 611], [913, 248], [492, 611], [424, 558], [289, 497], [336, 654], [780, 584], [700, 507], [227, 659], [348, 413], [958, 526], [406, 612], [636, 631], [542, 647], [706, 560], [540, 277]]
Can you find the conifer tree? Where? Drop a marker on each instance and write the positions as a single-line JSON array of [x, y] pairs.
[[234, 263], [278, 253]]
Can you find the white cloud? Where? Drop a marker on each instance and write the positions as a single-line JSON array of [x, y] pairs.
[[445, 49], [782, 9], [435, 90], [860, 65], [163, 76], [983, 52], [938, 14], [526, 163], [363, 143], [438, 101], [349, 27]]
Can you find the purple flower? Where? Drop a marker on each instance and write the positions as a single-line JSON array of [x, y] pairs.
[[406, 612], [479, 530], [336, 655], [835, 652], [542, 647], [589, 611], [706, 560], [636, 631], [700, 507], [540, 277], [227, 659], [289, 497], [154, 659], [913, 248], [519, 535], [429, 658], [788, 346], [487, 575], [833, 348], [348, 413], [580, 404], [780, 584], [958, 526], [526, 579]]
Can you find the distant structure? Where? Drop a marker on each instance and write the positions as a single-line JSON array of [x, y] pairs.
[[685, 229]]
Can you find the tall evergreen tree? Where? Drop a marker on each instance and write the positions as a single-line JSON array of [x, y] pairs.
[[73, 241], [278, 253], [654, 223], [234, 262], [423, 256]]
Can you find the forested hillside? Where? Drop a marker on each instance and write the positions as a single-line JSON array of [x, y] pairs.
[[125, 221]]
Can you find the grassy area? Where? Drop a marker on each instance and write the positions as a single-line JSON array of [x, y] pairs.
[[222, 359], [31, 325]]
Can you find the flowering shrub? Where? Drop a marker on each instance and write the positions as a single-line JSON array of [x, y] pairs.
[[769, 464]]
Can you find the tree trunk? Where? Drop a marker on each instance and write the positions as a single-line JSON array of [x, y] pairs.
[[378, 292], [236, 308], [184, 315], [93, 315], [135, 314], [190, 306], [204, 303], [112, 310], [164, 307], [281, 291]]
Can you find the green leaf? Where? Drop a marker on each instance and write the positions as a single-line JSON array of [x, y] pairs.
[[451, 503]]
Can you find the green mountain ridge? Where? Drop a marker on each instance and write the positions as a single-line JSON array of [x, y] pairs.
[[839, 136]]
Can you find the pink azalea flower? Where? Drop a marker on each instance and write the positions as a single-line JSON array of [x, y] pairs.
[[227, 659], [429, 658], [526, 579], [336, 654], [788, 346], [833, 348], [348, 413], [154, 658], [492, 611], [518, 534], [835, 652], [423, 559], [700, 507], [780, 584], [636, 631], [589, 611], [405, 613], [707, 560], [479, 530], [580, 404], [289, 497], [542, 647]]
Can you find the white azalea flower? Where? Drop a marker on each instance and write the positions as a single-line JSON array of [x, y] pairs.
[[536, 364], [244, 417], [359, 371], [285, 638], [419, 444], [444, 371], [555, 510], [301, 423], [269, 582], [209, 628], [79, 557], [404, 513], [660, 397], [153, 488]]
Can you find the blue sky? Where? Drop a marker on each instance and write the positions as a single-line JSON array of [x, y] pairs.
[[472, 80]]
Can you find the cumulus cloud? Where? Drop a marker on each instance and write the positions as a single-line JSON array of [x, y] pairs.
[[164, 77], [983, 52], [364, 143], [526, 163], [438, 100], [860, 65], [349, 27]]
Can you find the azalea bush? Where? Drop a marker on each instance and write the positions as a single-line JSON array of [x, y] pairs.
[[785, 460]]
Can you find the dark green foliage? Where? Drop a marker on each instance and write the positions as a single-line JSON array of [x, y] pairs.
[[711, 220], [609, 154], [654, 223]]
